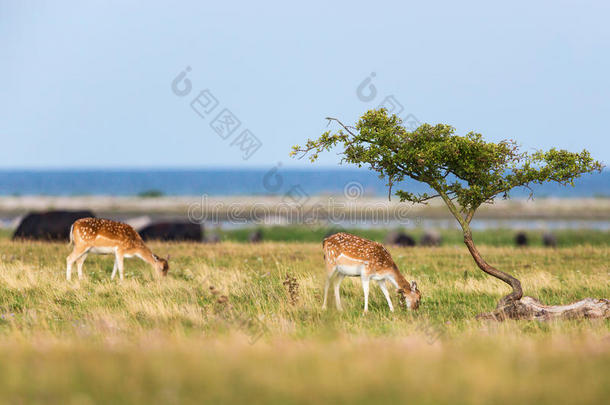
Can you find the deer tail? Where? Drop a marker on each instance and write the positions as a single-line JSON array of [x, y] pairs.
[[71, 236]]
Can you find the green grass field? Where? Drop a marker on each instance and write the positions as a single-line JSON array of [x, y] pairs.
[[449, 237], [178, 340]]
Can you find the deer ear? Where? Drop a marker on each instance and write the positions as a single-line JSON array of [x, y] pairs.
[[413, 286]]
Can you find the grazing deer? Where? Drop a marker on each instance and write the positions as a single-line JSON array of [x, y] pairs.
[[352, 256], [102, 236]]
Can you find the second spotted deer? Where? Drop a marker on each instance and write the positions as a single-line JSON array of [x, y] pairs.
[[352, 256], [102, 236]]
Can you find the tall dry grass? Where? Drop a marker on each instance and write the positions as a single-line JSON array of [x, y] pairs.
[[224, 327]]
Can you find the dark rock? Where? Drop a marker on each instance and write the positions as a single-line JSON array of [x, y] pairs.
[[549, 239], [173, 231], [400, 239], [521, 239], [430, 238], [256, 236], [49, 226]]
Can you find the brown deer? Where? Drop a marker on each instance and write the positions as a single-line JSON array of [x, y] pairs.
[[102, 236], [352, 256]]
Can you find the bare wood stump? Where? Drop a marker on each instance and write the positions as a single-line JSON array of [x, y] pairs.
[[529, 308]]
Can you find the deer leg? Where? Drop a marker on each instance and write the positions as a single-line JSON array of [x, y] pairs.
[[384, 289], [114, 269], [119, 264], [79, 265], [330, 274], [326, 286], [72, 257], [69, 267], [340, 278], [365, 288]]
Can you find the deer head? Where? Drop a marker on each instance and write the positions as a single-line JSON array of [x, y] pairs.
[[162, 265], [411, 298]]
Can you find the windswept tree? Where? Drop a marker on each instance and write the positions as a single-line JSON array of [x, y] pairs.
[[465, 172]]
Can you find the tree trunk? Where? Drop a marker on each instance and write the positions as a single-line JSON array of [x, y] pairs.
[[515, 306], [515, 284]]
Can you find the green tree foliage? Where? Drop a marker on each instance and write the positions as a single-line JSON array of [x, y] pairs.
[[466, 170]]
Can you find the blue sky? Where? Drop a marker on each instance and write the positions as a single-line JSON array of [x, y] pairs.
[[88, 84]]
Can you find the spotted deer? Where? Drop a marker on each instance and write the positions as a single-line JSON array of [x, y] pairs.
[[352, 256], [102, 236]]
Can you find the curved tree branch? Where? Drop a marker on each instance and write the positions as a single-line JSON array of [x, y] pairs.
[[514, 283]]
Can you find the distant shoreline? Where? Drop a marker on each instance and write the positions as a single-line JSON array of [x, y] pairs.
[[275, 180], [249, 207]]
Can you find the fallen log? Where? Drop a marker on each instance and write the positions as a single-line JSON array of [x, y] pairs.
[[529, 308]]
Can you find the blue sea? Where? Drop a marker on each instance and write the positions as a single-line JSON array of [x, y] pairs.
[[226, 182]]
